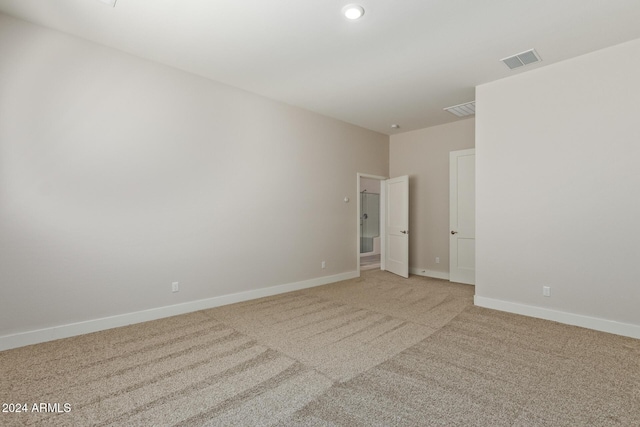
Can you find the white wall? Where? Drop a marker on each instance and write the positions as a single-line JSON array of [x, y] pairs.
[[370, 185], [119, 176], [558, 191], [424, 156]]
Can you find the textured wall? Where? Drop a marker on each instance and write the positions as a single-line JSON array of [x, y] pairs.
[[119, 176], [424, 156], [557, 185]]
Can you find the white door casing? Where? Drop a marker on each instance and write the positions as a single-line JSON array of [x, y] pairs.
[[462, 217], [397, 226]]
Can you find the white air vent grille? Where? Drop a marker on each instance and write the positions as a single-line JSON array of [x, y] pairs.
[[522, 59], [463, 110]]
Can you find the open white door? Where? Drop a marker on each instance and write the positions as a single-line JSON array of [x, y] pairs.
[[462, 209], [397, 226]]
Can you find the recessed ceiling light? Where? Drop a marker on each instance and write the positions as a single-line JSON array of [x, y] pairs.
[[395, 126], [353, 11]]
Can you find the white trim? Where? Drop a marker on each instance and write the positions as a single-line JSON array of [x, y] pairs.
[[65, 331], [383, 224], [598, 324], [429, 273]]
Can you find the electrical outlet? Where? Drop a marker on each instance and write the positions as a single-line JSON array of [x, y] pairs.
[[546, 291], [175, 286], [323, 265], [437, 260]]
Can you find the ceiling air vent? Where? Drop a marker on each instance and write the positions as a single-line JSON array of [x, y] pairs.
[[463, 110], [522, 59]]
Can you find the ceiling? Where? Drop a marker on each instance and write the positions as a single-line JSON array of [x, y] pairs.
[[402, 62]]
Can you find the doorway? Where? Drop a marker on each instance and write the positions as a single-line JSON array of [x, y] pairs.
[[370, 227], [369, 224], [393, 223]]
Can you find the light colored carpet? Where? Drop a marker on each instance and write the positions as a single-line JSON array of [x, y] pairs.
[[378, 350]]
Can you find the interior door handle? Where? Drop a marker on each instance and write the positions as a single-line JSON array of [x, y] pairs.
[[454, 232], [404, 231]]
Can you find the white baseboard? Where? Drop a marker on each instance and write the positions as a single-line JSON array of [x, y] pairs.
[[65, 331], [429, 273], [595, 323]]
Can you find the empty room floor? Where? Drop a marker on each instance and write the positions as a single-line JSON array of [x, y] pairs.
[[376, 350]]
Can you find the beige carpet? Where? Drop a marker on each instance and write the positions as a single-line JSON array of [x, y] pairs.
[[378, 350]]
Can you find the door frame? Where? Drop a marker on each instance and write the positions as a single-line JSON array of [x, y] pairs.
[[383, 225]]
